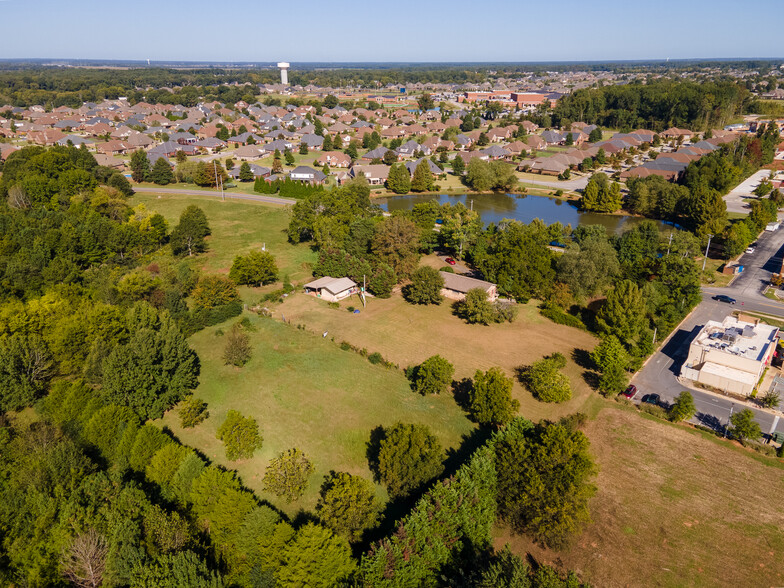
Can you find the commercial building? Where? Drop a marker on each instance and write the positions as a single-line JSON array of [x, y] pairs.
[[731, 355]]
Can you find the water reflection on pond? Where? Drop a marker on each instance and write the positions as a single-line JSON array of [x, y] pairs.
[[493, 208]]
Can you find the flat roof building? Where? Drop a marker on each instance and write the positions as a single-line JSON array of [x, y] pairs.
[[730, 355]]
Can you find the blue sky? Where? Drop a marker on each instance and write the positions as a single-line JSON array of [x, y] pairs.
[[404, 30]]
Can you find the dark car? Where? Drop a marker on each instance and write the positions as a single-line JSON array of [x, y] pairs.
[[651, 399], [725, 298], [630, 392], [450, 261]]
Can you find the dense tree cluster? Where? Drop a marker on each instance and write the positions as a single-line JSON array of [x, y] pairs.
[[655, 105]]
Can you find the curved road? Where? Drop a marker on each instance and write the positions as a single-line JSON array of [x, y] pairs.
[[216, 194]]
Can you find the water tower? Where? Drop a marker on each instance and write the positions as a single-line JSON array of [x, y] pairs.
[[284, 73]]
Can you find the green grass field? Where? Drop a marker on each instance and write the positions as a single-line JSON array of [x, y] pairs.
[[237, 228], [306, 392]]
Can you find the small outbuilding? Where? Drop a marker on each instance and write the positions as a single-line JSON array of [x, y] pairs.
[[331, 289], [456, 286]]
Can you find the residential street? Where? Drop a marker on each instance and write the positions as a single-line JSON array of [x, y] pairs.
[[659, 375], [217, 194], [743, 190]]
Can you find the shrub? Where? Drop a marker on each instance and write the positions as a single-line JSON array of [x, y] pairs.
[[654, 410], [546, 382], [375, 358], [192, 412], [240, 436], [333, 304], [432, 376], [238, 350], [561, 317]]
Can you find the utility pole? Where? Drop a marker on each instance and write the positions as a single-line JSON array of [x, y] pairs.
[[668, 244], [654, 334], [729, 419], [215, 171], [704, 261]]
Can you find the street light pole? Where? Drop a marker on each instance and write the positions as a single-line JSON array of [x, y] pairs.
[[704, 261]]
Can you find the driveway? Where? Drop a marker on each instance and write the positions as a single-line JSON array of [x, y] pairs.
[[567, 185], [217, 194], [743, 190]]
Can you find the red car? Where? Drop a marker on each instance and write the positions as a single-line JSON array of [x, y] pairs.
[[450, 261], [630, 392]]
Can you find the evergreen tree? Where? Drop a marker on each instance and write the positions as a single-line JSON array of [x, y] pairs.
[[315, 558], [140, 166], [398, 180], [188, 236], [161, 173], [289, 157], [408, 457], [423, 177], [246, 175]]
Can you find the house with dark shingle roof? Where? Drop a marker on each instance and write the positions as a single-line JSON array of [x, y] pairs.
[[307, 174]]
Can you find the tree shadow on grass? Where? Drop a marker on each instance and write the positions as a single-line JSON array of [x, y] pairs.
[[372, 449], [592, 379], [582, 358], [462, 393]]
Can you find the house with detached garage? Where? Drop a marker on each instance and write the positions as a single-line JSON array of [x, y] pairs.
[[331, 289], [456, 286]]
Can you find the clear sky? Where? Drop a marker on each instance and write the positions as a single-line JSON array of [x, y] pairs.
[[404, 30]]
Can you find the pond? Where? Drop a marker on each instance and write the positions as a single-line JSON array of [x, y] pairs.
[[493, 208]]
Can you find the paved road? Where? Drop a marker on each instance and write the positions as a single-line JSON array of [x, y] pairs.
[[743, 190], [217, 194], [660, 373]]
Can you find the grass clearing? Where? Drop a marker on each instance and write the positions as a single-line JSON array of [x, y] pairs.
[[673, 508], [407, 334], [237, 228], [306, 392]]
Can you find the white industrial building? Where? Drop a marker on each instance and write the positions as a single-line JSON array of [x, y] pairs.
[[731, 355]]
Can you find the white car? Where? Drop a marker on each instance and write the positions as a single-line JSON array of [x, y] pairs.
[[749, 250]]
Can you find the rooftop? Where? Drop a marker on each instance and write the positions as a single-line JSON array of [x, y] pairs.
[[737, 337]]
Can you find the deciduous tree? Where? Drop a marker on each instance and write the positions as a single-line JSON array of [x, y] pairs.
[[432, 376], [347, 505], [425, 287], [240, 436], [287, 475], [491, 398], [188, 236]]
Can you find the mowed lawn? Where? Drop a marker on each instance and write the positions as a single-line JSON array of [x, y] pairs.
[[407, 334], [673, 509], [237, 228], [306, 392]]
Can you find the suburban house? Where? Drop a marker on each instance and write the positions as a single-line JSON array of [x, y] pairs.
[[408, 149], [258, 171], [412, 165], [331, 289], [553, 137], [376, 174], [456, 286], [731, 355], [377, 153], [307, 174], [334, 159]]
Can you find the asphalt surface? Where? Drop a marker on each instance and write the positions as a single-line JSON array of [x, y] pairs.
[[217, 194], [659, 375]]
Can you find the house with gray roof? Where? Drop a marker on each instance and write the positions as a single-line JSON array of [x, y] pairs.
[[306, 174], [377, 153], [312, 141], [412, 165]]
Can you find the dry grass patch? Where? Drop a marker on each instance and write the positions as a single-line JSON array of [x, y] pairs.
[[407, 334], [674, 508]]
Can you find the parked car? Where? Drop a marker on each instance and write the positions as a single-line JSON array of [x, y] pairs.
[[651, 399], [725, 298], [630, 392], [450, 261], [749, 250]]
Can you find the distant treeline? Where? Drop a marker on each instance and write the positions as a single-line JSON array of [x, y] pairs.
[[656, 105]]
